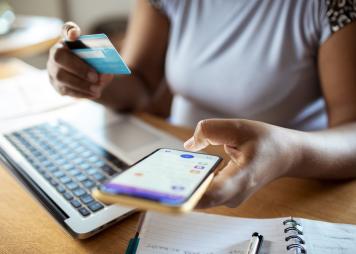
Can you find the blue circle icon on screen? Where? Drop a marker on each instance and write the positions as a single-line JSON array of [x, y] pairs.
[[187, 156]]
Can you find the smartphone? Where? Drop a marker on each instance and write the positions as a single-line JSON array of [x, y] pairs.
[[166, 180]]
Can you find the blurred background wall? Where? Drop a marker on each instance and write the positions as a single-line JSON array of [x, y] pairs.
[[107, 16]]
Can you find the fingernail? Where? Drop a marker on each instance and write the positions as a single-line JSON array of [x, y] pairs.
[[95, 89], [92, 77], [73, 32], [189, 143]]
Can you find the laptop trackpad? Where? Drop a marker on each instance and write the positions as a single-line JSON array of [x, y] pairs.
[[126, 135]]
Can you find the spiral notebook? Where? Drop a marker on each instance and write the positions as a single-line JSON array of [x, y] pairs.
[[199, 233]]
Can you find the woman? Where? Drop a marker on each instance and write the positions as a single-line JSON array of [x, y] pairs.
[[288, 66]]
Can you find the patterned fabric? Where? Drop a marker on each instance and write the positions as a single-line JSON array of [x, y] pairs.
[[340, 13]]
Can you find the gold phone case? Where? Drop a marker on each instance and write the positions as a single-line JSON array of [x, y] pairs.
[[144, 204]]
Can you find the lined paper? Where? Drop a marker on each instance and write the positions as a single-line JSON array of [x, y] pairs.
[[199, 233], [329, 238]]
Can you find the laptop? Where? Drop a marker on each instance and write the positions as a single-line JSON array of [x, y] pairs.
[[61, 155]]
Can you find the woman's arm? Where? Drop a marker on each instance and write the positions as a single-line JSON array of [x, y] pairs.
[[144, 51], [261, 153], [331, 153]]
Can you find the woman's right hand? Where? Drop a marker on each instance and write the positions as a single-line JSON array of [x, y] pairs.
[[71, 76]]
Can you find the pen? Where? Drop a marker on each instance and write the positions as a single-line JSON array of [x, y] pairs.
[[133, 243], [255, 244]]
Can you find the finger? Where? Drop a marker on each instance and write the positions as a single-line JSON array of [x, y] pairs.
[[237, 156], [105, 78], [70, 31], [66, 91], [71, 63], [70, 81], [213, 132], [78, 94]]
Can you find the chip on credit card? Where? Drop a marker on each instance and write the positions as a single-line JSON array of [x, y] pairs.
[[97, 51]]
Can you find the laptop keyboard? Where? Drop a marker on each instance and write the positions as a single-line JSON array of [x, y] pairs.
[[68, 160]]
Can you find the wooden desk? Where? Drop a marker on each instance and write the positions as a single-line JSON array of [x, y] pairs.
[[31, 35], [26, 227]]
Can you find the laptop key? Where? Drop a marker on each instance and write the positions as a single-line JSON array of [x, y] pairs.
[[87, 154], [81, 177], [86, 199], [36, 165], [60, 189], [83, 211], [78, 161], [58, 174], [71, 185], [61, 161], [95, 206], [74, 172], [99, 177], [92, 171], [47, 176], [75, 203], [79, 192], [79, 150], [99, 163], [68, 167], [84, 166], [47, 163], [53, 182], [41, 158], [52, 168], [88, 184], [93, 159], [67, 196], [64, 179]]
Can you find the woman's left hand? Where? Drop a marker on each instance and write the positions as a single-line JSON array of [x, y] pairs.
[[259, 153]]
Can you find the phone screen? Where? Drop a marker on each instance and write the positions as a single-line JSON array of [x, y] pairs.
[[167, 176]]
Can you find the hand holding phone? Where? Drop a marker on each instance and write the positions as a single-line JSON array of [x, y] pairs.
[[167, 180]]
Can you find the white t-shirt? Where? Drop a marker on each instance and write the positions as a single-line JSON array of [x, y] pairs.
[[249, 59]]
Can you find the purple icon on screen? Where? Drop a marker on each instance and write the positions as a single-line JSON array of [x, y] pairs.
[[187, 156]]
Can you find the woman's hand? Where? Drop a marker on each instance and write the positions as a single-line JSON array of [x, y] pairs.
[[70, 75], [259, 153]]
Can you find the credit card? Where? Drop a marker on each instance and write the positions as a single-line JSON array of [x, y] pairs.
[[97, 51]]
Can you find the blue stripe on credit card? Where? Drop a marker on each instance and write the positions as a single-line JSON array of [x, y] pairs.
[[98, 52]]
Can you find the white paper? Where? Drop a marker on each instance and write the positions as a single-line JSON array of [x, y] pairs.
[[329, 238], [198, 233], [29, 93]]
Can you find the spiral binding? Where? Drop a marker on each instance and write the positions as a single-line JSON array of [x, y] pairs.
[[295, 231]]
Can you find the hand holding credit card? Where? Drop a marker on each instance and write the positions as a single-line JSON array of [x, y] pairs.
[[98, 52]]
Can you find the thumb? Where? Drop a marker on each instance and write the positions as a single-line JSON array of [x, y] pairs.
[[70, 31], [213, 132]]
